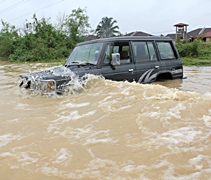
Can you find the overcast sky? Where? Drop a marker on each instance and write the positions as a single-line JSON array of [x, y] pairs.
[[151, 16]]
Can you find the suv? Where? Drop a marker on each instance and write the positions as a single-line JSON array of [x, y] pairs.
[[136, 58]]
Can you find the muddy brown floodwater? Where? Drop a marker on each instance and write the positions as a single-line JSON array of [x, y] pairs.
[[108, 130]]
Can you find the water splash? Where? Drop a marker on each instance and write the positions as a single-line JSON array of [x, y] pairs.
[[38, 82]]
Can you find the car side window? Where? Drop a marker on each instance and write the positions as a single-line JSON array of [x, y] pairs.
[[124, 54], [152, 53], [140, 51], [165, 50], [107, 56], [144, 51], [122, 48]]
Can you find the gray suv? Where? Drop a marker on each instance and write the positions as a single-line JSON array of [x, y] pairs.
[[136, 58]]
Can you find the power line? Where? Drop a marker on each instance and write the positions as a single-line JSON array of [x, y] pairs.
[[37, 10], [14, 6]]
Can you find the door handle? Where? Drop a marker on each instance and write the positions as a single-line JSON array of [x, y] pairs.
[[156, 67], [130, 70]]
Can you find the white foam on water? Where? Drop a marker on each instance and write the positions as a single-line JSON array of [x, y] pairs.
[[78, 85], [95, 167], [25, 159], [201, 162], [175, 111], [131, 167], [55, 124], [91, 153], [196, 173], [51, 171], [100, 136], [87, 135], [75, 135], [180, 135], [16, 120], [166, 174], [21, 106], [162, 113], [65, 106], [8, 138], [206, 118], [159, 92], [6, 154], [73, 105], [108, 103], [95, 140], [178, 140], [124, 107], [75, 116], [94, 137], [63, 156]]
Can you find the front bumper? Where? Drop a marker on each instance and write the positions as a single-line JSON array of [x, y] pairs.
[[42, 86]]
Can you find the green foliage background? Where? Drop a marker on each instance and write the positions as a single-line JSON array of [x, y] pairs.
[[40, 40], [196, 53]]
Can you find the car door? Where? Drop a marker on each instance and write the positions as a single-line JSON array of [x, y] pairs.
[[125, 70], [147, 65], [169, 59]]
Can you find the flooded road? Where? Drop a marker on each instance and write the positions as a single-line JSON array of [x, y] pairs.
[[109, 130]]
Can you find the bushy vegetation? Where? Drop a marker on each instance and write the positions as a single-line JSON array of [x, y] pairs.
[[188, 49], [40, 40], [195, 53]]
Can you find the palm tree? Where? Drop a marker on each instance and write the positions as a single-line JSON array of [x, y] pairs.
[[106, 28]]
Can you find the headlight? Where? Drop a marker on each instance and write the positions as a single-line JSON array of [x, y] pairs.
[[47, 86], [23, 82]]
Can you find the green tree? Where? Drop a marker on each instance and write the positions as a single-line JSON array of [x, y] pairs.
[[106, 28], [8, 36], [76, 26], [39, 40]]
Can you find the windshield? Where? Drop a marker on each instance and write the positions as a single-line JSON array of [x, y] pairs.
[[85, 54]]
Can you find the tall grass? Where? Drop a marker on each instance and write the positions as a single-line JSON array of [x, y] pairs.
[[195, 53]]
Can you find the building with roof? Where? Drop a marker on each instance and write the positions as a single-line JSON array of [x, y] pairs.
[[181, 32], [138, 33], [207, 35], [204, 33], [90, 37]]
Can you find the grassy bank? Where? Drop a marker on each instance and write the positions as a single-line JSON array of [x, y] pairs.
[[197, 61], [195, 53]]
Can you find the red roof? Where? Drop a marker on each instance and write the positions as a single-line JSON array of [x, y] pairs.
[[207, 34], [138, 33], [181, 25], [90, 37]]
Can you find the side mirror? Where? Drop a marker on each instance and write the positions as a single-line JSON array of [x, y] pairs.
[[115, 59]]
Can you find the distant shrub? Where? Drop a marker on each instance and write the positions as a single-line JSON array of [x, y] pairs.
[[188, 49], [40, 40]]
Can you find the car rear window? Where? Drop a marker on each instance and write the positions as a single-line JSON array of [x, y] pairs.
[[165, 50]]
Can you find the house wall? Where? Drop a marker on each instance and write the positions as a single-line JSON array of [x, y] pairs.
[[208, 39]]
